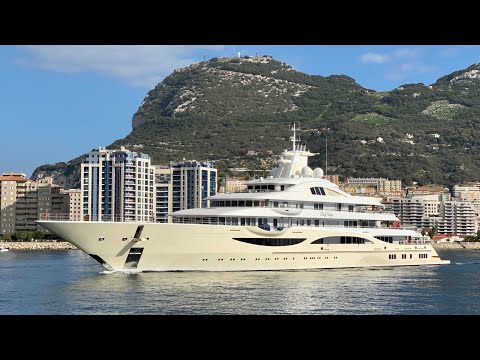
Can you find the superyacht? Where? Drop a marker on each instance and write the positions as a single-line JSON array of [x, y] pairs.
[[293, 219]]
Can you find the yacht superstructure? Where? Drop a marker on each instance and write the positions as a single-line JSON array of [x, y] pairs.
[[292, 219]]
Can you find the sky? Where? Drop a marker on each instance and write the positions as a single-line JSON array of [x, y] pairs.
[[61, 101]]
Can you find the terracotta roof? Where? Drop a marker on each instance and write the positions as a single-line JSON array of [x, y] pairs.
[[442, 236], [17, 178]]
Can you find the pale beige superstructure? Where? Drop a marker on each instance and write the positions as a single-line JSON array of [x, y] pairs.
[[292, 219]]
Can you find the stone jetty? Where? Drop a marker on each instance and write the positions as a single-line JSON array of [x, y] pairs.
[[457, 245], [39, 245]]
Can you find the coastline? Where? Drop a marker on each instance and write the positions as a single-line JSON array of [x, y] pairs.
[[64, 245], [39, 245], [456, 245]]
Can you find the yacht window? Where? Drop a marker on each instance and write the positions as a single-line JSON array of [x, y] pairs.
[[275, 222], [234, 221], [253, 222], [264, 187], [282, 187], [309, 222], [222, 203], [234, 203], [221, 220], [247, 221], [270, 242], [302, 222], [339, 207], [242, 221], [228, 221], [241, 203], [271, 187], [317, 190], [249, 203], [228, 203], [317, 222], [275, 204], [350, 208], [255, 203]]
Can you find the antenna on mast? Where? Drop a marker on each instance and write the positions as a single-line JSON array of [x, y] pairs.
[[294, 137], [326, 153]]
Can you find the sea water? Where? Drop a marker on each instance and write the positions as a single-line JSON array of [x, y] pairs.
[[70, 282]]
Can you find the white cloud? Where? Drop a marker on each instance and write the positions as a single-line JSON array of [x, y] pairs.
[[374, 58], [408, 52], [395, 55], [138, 65]]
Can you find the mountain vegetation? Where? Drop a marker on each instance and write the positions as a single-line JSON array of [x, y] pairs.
[[235, 112]]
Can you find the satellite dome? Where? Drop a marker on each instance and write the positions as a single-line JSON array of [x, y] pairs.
[[307, 171], [318, 173]]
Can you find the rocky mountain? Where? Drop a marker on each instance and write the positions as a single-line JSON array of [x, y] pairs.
[[235, 112]]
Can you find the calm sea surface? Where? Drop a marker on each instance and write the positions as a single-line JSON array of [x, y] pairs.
[[70, 282]]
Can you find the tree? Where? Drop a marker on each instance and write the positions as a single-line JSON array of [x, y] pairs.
[[6, 237], [432, 232], [24, 235], [38, 235], [21, 235]]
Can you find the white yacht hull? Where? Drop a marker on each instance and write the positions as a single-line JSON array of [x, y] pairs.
[[186, 247]]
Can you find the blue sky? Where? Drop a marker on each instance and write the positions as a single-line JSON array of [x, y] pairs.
[[58, 102]]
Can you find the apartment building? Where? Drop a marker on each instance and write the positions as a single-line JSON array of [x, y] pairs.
[[117, 185]]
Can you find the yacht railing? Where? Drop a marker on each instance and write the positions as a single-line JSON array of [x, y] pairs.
[[93, 218], [215, 221], [293, 206]]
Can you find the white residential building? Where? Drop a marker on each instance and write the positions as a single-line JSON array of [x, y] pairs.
[[457, 217], [421, 211], [192, 183], [117, 185], [163, 193]]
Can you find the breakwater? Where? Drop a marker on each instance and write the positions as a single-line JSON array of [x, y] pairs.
[[63, 245], [39, 245], [456, 245]]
